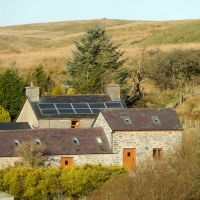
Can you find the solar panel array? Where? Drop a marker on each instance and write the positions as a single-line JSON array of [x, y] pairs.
[[49, 109]]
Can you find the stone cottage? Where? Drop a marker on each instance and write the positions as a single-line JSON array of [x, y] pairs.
[[136, 135], [125, 137], [67, 111]]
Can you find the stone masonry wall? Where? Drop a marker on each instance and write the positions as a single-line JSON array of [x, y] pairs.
[[101, 122], [104, 159], [144, 142], [8, 161]]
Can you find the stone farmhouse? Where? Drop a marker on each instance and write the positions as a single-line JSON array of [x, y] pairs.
[[126, 137], [67, 111]]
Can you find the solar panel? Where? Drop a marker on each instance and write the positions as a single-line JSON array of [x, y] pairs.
[[80, 105], [114, 105], [76, 108], [63, 105], [49, 112], [96, 110], [83, 111], [66, 111], [97, 105], [46, 105]]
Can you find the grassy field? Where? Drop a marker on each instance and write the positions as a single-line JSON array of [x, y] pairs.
[[50, 44]]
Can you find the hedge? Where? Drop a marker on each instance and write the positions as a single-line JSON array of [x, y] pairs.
[[55, 183]]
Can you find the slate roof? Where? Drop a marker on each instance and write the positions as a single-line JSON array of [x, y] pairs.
[[14, 126], [90, 98], [57, 141], [142, 119]]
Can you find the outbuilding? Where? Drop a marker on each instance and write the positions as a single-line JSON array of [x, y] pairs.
[[5, 196]]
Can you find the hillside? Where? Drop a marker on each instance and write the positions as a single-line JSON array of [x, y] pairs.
[[25, 46]]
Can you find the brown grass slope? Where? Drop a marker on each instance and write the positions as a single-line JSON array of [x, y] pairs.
[[50, 44]]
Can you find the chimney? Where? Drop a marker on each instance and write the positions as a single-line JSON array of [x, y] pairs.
[[33, 92], [113, 90]]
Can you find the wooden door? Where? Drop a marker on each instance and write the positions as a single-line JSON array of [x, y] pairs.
[[66, 161], [129, 158]]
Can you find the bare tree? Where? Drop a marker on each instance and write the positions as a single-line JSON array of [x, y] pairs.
[[32, 152], [137, 91]]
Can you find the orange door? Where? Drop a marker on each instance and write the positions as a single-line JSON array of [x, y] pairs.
[[129, 157], [66, 161]]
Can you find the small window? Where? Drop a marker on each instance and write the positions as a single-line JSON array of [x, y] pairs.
[[156, 119], [157, 153], [75, 124], [126, 119], [75, 140], [129, 154], [66, 162], [38, 141], [16, 143], [99, 140]]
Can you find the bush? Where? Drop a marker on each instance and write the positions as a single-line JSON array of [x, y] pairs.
[[55, 183], [4, 115], [172, 69], [71, 91], [57, 90]]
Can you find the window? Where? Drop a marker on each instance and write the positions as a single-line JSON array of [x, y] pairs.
[[16, 143], [129, 154], [75, 140], [66, 162], [38, 141], [99, 140], [75, 124], [126, 119], [156, 119], [157, 153]]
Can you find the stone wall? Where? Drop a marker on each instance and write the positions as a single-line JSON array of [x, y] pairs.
[[104, 159], [145, 141], [8, 161], [101, 122]]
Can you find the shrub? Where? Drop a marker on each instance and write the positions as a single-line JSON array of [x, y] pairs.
[[33, 154], [55, 183], [71, 91], [172, 69], [4, 115], [57, 90]]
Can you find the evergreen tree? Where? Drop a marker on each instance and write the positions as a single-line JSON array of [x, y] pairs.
[[41, 79], [95, 62], [12, 93]]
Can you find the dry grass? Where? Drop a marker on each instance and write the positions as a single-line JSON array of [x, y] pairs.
[[50, 44], [176, 178], [190, 107]]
